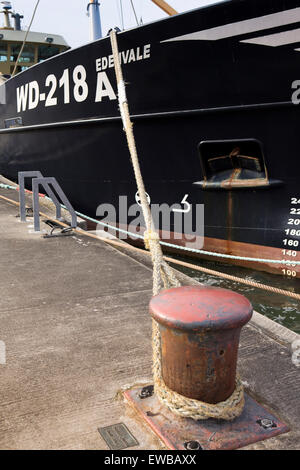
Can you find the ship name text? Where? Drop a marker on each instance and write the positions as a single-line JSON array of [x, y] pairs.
[[125, 57], [73, 85]]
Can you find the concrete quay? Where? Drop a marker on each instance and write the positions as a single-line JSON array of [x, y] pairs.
[[75, 324]]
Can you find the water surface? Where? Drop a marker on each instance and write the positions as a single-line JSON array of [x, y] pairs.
[[280, 308]]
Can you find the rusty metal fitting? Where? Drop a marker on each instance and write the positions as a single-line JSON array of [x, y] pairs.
[[200, 330]]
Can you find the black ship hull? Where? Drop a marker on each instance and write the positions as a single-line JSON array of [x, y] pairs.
[[213, 98]]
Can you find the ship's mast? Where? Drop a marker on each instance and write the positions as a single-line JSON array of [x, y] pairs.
[[7, 12], [165, 7], [95, 22]]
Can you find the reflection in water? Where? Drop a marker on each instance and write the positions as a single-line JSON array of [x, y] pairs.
[[280, 308]]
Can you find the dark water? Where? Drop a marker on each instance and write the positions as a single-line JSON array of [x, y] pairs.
[[280, 308]]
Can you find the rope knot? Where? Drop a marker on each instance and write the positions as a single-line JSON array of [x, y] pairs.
[[149, 235]]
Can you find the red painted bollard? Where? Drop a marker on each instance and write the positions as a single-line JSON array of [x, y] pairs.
[[200, 330]]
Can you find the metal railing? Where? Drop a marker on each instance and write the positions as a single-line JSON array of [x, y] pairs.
[[39, 180]]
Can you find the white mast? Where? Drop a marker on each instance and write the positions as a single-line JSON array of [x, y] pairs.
[[95, 22]]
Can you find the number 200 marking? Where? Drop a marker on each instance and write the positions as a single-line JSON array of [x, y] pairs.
[[294, 222]]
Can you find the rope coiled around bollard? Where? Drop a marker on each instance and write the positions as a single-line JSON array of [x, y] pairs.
[[228, 409]]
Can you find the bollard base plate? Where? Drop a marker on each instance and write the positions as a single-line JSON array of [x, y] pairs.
[[255, 424]]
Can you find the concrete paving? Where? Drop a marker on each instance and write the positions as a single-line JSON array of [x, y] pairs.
[[74, 319]]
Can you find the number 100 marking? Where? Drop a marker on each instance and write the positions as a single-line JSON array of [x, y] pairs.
[[289, 272]]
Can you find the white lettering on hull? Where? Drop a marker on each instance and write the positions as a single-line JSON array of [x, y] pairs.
[[74, 83]]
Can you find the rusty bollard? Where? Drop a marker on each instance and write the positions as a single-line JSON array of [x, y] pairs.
[[200, 330]]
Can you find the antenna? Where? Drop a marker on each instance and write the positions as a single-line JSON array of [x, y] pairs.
[[6, 11], [137, 21], [122, 15]]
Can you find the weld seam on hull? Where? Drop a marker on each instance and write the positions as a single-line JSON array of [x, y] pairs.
[[150, 115]]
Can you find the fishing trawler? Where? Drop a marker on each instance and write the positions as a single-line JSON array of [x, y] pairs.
[[214, 96]]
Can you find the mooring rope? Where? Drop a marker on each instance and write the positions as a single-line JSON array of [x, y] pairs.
[[247, 282], [172, 245], [163, 275], [211, 272], [25, 38]]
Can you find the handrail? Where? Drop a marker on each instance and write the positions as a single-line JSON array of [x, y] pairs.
[[37, 180], [21, 181]]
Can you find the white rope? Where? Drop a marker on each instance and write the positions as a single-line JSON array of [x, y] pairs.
[[25, 39], [164, 276], [171, 245]]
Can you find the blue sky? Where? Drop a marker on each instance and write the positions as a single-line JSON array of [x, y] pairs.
[[68, 17]]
